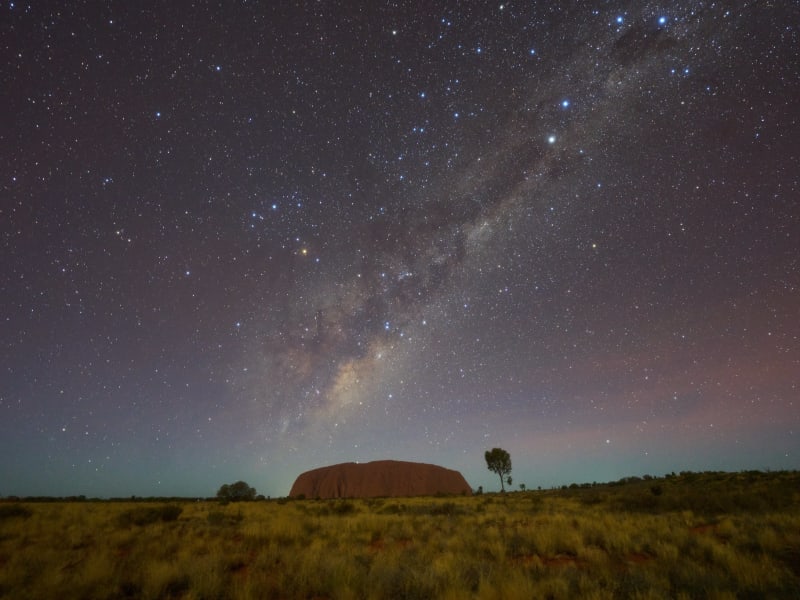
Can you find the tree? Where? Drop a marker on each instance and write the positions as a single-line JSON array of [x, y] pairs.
[[235, 492], [499, 461]]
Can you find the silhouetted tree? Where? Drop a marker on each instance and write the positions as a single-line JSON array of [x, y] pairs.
[[235, 492], [499, 461]]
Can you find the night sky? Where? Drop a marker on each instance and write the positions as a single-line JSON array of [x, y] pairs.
[[241, 240]]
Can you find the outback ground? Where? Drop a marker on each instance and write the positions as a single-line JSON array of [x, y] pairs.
[[709, 535]]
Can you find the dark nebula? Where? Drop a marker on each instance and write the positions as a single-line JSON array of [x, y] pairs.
[[242, 241]]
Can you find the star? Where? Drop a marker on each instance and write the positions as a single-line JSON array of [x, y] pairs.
[[535, 225]]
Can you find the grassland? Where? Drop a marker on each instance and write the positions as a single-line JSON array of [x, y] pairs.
[[689, 536]]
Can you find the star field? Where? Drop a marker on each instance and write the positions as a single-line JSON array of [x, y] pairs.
[[241, 241]]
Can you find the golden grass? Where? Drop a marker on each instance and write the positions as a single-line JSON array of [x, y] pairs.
[[519, 545]]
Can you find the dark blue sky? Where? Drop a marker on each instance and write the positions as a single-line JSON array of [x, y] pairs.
[[245, 241]]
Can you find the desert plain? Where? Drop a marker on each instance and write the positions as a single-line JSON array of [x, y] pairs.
[[689, 535]]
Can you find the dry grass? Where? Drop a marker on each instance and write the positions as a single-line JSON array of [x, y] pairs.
[[561, 544]]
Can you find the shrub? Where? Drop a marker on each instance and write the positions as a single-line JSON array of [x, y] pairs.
[[391, 509], [236, 492], [218, 517], [11, 511], [344, 508], [445, 508], [146, 515], [170, 512]]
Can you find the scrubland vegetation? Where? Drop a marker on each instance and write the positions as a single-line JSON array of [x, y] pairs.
[[706, 535]]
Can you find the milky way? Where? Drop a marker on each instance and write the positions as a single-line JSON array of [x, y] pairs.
[[241, 243]]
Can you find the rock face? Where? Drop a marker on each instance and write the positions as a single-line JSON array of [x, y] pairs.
[[379, 478]]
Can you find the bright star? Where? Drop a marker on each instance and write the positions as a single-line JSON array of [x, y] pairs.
[[551, 139]]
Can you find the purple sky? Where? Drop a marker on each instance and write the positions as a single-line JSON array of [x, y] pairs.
[[242, 243]]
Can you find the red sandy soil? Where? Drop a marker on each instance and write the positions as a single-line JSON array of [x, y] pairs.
[[705, 528], [562, 560]]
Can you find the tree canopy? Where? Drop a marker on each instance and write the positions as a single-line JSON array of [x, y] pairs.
[[234, 492], [499, 461]]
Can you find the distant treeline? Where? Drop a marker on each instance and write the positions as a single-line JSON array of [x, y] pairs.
[[688, 477], [653, 486], [705, 493], [90, 499]]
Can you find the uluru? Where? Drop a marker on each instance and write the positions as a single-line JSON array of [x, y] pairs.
[[380, 478]]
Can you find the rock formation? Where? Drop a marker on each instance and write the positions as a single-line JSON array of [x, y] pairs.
[[379, 478]]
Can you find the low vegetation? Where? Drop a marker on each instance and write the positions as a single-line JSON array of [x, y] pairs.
[[710, 535]]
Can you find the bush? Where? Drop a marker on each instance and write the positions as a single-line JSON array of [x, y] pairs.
[[11, 511], [445, 509], [591, 498], [392, 509], [146, 515], [218, 517], [344, 508], [170, 512], [236, 492]]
